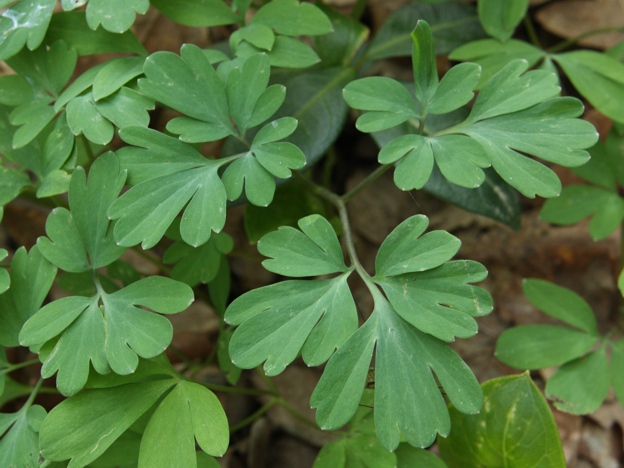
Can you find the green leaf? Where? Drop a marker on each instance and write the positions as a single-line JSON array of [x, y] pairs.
[[123, 452], [258, 35], [314, 250], [617, 366], [116, 73], [292, 18], [405, 251], [580, 386], [5, 282], [339, 46], [24, 23], [81, 239], [20, 445], [355, 451], [500, 19], [541, 346], [455, 88], [126, 108], [15, 90], [115, 16], [598, 77], [424, 64], [82, 427], [111, 334], [315, 99], [12, 182], [77, 87], [194, 265], [163, 190], [493, 55], [189, 84], [71, 26], [32, 118], [515, 428], [189, 412], [248, 173], [452, 24], [408, 456], [439, 301], [577, 202], [276, 321], [389, 102], [31, 279], [229, 369], [197, 12], [418, 412], [605, 167], [561, 303], [84, 118]]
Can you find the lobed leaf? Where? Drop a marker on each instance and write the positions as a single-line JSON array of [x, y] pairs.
[[424, 64], [277, 321], [20, 445], [116, 16], [500, 19], [24, 24], [116, 73]]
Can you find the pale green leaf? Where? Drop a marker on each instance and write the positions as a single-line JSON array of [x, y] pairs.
[[82, 427], [25, 23], [580, 386], [197, 12], [116, 73], [115, 16], [500, 19], [561, 303], [276, 321], [405, 251], [31, 278], [312, 250], [126, 108], [455, 88], [598, 77], [440, 301], [293, 18], [515, 428], [540, 346]]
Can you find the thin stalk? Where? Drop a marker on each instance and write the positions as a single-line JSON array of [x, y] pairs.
[[297, 414], [165, 269], [570, 42], [372, 177], [14, 367], [252, 417], [33, 394], [530, 29]]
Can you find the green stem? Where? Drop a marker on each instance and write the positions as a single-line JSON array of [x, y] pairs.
[[33, 394], [252, 417], [165, 269], [570, 42], [372, 177], [530, 29], [20, 365], [297, 414]]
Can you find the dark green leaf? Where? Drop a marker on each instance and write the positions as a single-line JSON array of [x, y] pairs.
[[515, 428], [71, 26], [83, 117], [31, 279], [355, 451], [408, 457], [452, 25], [499, 19], [424, 64], [197, 12]]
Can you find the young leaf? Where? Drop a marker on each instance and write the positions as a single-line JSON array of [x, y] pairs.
[[292, 18], [276, 321], [115, 16], [24, 23], [82, 427], [81, 239], [197, 12], [31, 279], [315, 250], [500, 19], [580, 386], [598, 77], [515, 428], [187, 176], [424, 64], [188, 413]]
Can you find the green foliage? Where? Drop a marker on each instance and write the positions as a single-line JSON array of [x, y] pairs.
[[581, 383], [245, 117], [523, 435]]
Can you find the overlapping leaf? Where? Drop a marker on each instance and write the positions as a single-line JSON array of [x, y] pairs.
[[168, 174], [277, 321], [114, 15], [581, 384], [19, 446], [25, 23]]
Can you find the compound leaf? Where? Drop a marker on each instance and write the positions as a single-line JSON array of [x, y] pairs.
[[85, 230], [25, 23], [82, 427], [515, 428], [315, 250], [31, 279], [276, 321], [114, 15], [561, 303]]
